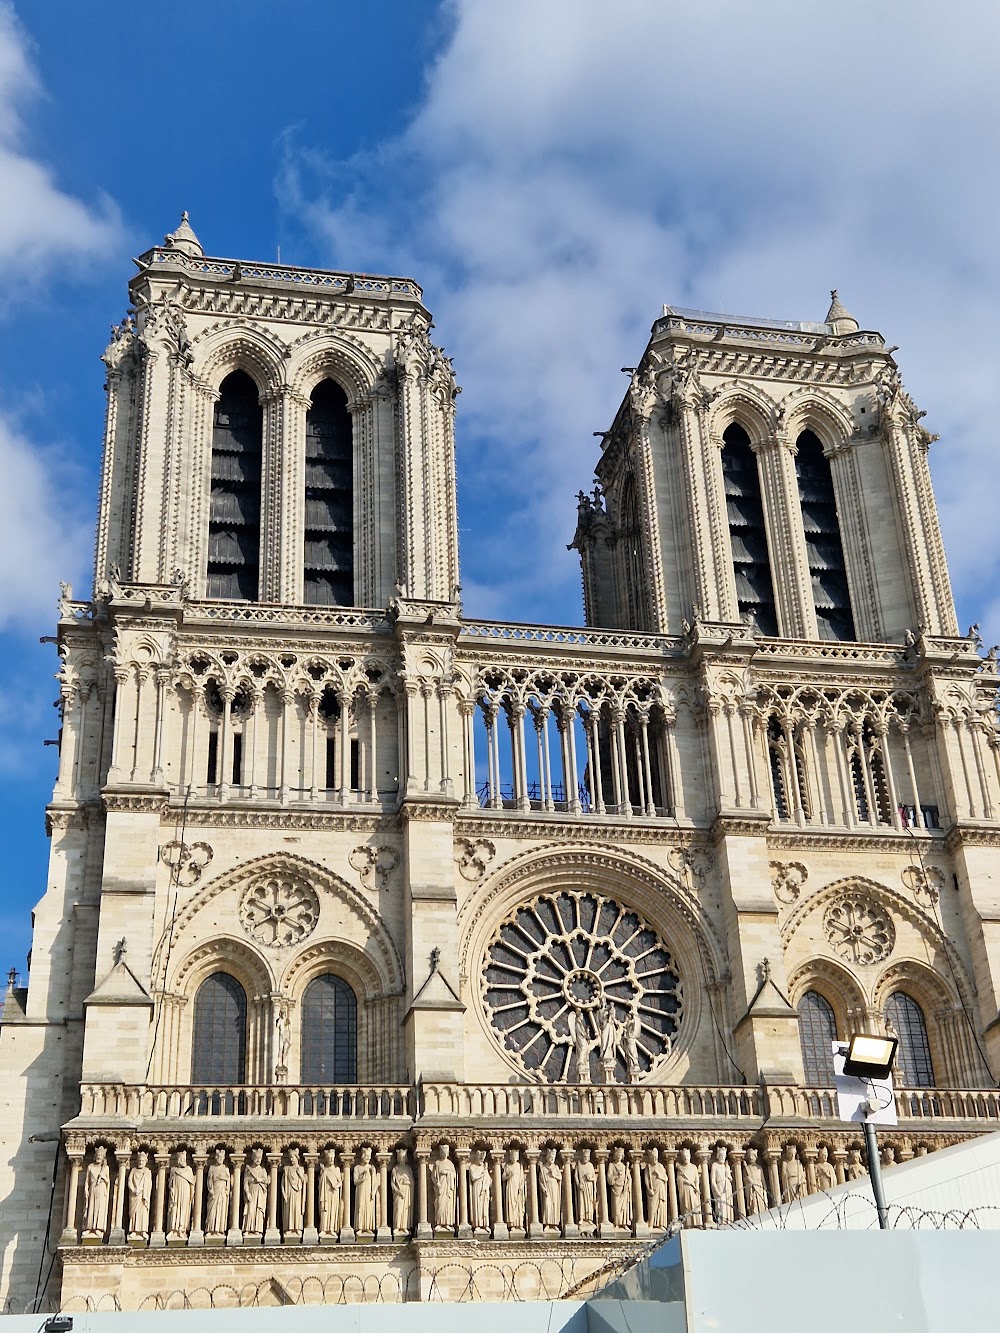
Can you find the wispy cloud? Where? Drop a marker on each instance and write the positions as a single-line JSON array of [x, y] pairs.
[[574, 164]]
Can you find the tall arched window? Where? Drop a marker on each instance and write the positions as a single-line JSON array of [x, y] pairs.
[[913, 1057], [329, 535], [817, 1031], [628, 542], [751, 563], [824, 548], [234, 506], [219, 1050], [329, 1032]]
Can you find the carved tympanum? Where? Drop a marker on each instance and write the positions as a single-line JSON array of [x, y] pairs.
[[858, 929], [278, 910], [576, 985]]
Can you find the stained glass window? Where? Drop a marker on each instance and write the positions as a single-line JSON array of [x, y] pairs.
[[220, 1031], [817, 1031], [913, 1057], [329, 1032]]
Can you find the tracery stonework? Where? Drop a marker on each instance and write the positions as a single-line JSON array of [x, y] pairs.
[[278, 911], [580, 989], [858, 929], [787, 879]]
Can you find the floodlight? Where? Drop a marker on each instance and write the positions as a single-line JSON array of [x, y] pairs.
[[58, 1323], [869, 1056]]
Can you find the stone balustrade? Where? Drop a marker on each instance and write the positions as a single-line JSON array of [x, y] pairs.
[[406, 1105], [249, 1188]]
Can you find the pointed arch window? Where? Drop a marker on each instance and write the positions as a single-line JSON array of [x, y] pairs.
[[747, 534], [329, 1032], [219, 1049], [913, 1056], [817, 1031], [824, 546], [234, 504], [329, 510], [628, 541]]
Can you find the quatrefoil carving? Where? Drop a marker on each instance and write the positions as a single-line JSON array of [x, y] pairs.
[[374, 865], [186, 860]]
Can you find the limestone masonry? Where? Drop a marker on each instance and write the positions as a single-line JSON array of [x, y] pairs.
[[389, 954]]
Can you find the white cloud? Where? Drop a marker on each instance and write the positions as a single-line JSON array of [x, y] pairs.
[[575, 164], [41, 226], [46, 536]]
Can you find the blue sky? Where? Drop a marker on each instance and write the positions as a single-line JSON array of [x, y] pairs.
[[551, 171]]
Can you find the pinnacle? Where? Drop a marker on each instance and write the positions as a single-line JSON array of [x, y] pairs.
[[184, 238], [839, 316]]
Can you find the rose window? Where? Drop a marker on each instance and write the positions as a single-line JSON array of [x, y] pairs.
[[581, 990], [858, 929], [278, 910]]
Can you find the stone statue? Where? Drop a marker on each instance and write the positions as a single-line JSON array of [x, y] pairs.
[[402, 1194], [688, 1190], [480, 1188], [97, 1193], [180, 1196], [720, 1182], [855, 1169], [140, 1192], [632, 1032], [219, 1186], [331, 1189], [586, 1190], [365, 1193], [282, 1044], [826, 1176], [513, 1190], [582, 1044], [293, 1193], [607, 1039], [656, 1190], [754, 1185], [619, 1191], [792, 1175], [254, 1194], [550, 1188], [443, 1188]]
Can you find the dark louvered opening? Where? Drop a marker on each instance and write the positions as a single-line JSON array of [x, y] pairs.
[[751, 565], [824, 548], [329, 534], [234, 507]]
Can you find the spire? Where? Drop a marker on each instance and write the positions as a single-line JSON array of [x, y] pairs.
[[840, 317], [184, 239]]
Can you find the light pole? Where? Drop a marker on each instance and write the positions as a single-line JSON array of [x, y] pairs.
[[869, 1058]]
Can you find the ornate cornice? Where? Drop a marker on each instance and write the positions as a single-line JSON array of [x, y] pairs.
[[850, 841], [222, 816], [148, 803], [971, 835], [588, 829]]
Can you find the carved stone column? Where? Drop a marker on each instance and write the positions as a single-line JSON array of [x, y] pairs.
[[701, 1156], [234, 1236], [639, 1224], [464, 1230], [423, 1222], [605, 1230], [736, 1156], [534, 1226], [272, 1236], [568, 1156], [157, 1238], [71, 1234], [500, 1231], [196, 1236], [809, 1157], [347, 1171], [839, 1158], [383, 1236], [669, 1158], [771, 1156], [122, 1160], [310, 1236]]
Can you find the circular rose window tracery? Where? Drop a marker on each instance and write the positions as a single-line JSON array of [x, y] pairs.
[[581, 989], [278, 910]]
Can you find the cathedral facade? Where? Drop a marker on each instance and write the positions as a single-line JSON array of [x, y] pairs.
[[391, 954]]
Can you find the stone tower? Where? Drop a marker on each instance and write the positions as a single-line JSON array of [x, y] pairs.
[[422, 946]]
